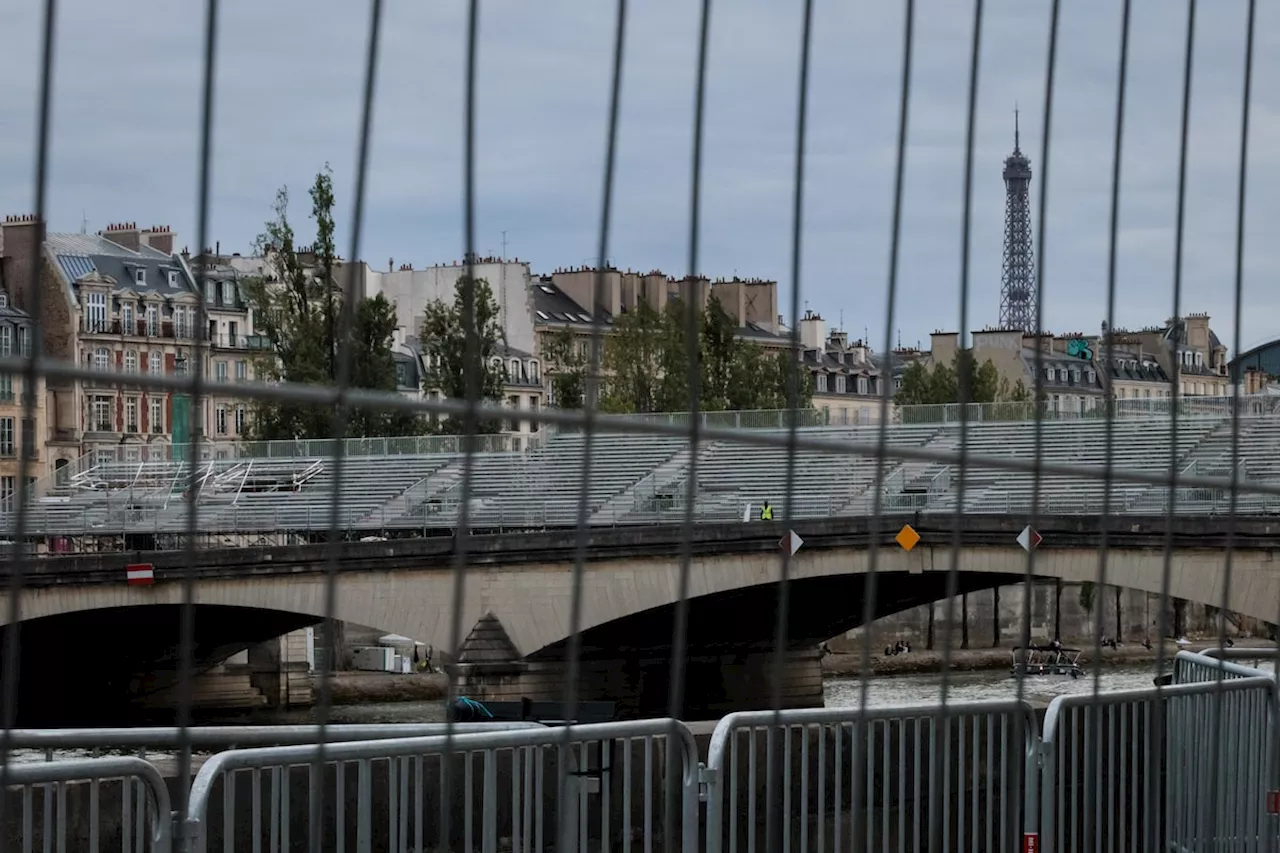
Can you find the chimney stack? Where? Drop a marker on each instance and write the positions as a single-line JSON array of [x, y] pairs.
[[21, 237], [124, 234], [158, 237]]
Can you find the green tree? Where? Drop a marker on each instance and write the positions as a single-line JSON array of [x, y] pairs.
[[443, 336], [373, 366], [633, 360], [567, 367], [673, 360], [961, 378], [295, 308], [720, 350]]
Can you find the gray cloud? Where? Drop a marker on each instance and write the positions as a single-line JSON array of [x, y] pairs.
[[290, 77]]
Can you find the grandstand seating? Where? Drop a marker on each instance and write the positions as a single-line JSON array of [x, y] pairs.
[[639, 479]]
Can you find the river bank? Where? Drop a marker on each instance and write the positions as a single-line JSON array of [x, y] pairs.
[[361, 688], [849, 664]]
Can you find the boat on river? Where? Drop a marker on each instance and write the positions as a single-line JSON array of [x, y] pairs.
[[1045, 660]]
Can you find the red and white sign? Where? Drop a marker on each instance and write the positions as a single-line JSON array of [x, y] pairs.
[[140, 574], [1030, 842], [1273, 802], [791, 542], [1029, 538]]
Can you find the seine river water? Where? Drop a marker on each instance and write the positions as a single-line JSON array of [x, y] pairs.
[[840, 693]]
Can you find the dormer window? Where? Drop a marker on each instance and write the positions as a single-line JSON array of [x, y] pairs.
[[4, 300], [140, 275], [839, 384], [173, 278], [228, 294], [533, 371], [1051, 374]]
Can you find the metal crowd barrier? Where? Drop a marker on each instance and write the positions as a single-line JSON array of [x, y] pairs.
[[146, 827], [532, 787], [918, 778], [1181, 767]]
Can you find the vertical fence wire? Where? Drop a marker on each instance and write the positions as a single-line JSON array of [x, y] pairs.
[[1186, 736]]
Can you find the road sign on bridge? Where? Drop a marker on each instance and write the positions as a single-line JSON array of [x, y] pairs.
[[791, 542], [1029, 538]]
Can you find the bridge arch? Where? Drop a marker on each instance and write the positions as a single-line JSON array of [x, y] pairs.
[[532, 600]]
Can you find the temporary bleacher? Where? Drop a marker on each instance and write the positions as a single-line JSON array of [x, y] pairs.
[[646, 479]]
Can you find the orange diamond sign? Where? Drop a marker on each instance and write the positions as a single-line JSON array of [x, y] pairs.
[[907, 537]]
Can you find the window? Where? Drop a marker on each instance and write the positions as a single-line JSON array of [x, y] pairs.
[[239, 420], [1052, 374], [153, 320], [101, 358], [533, 407], [126, 318], [839, 384], [157, 415], [221, 422], [228, 293], [173, 278], [241, 371], [1092, 377], [130, 361], [6, 437], [209, 291], [1075, 374], [130, 414], [100, 414], [7, 489], [24, 341], [140, 275], [6, 387], [6, 340], [533, 372], [513, 370], [220, 371], [95, 312], [862, 384], [179, 323], [4, 300], [514, 403], [155, 363], [822, 383]]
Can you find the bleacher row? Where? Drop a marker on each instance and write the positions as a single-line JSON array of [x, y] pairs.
[[644, 479]]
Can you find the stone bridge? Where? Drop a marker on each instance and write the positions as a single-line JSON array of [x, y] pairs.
[[518, 589]]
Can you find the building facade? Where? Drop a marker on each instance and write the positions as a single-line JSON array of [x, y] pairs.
[[19, 435], [846, 380], [118, 303]]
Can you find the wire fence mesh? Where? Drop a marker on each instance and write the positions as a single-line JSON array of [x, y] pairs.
[[1177, 473]]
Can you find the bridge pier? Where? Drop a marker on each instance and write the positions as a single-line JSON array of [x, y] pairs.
[[715, 683]]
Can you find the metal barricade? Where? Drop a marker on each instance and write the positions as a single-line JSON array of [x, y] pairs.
[[954, 777], [145, 815], [1194, 667], [626, 785], [1181, 767]]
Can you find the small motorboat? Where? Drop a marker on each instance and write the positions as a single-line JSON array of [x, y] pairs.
[[1045, 660]]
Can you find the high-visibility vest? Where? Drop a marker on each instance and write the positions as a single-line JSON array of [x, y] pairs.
[[766, 513]]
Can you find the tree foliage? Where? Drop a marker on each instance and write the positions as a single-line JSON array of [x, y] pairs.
[[444, 334], [295, 307], [962, 378], [566, 366], [646, 362]]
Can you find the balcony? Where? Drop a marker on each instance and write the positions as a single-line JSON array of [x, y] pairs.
[[162, 329]]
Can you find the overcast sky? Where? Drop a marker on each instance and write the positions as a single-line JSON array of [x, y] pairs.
[[289, 79]]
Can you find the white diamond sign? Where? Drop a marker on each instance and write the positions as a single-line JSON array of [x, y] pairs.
[[1029, 538], [791, 541]]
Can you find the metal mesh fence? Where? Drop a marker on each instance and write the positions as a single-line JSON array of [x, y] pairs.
[[1199, 479]]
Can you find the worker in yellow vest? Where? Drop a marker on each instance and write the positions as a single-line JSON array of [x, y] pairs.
[[766, 512]]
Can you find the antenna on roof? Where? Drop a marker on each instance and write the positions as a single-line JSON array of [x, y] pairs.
[[84, 221]]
